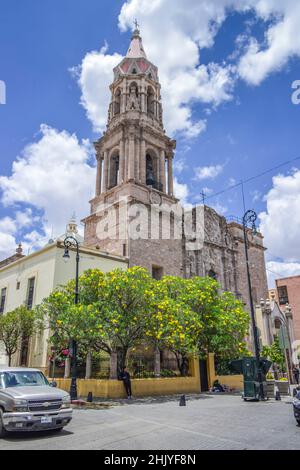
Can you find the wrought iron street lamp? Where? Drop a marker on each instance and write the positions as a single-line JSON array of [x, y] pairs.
[[70, 242], [249, 220]]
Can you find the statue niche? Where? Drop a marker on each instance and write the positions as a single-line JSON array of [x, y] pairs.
[[133, 99]]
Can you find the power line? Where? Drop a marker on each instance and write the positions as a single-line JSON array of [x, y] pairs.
[[242, 182]]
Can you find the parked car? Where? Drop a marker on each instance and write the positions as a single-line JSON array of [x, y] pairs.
[[296, 405], [28, 402]]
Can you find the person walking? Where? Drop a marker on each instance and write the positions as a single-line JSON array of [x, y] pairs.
[[125, 376], [296, 374]]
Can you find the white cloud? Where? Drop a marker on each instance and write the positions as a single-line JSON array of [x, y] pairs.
[[280, 223], [282, 40], [179, 165], [8, 225], [219, 208], [52, 175], [7, 244], [173, 35], [277, 270], [181, 191], [94, 76], [208, 172]]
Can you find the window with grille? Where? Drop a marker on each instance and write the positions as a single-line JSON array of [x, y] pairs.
[[30, 293], [2, 300], [283, 295]]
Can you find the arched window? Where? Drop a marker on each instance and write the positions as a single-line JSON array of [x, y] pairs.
[[114, 171], [117, 102], [150, 101], [150, 173]]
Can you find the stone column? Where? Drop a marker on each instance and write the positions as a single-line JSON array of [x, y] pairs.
[[163, 170], [123, 101], [126, 171], [143, 162], [131, 155], [105, 171], [99, 176], [88, 367], [67, 368], [170, 175], [137, 165], [122, 161]]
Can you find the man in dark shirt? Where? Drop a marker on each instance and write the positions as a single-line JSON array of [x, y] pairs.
[[296, 374], [125, 376]]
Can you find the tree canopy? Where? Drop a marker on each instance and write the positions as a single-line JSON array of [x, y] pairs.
[[121, 309]]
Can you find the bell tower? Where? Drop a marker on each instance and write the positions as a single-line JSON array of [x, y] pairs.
[[134, 163]]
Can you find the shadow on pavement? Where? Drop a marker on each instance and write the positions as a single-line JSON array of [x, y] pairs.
[[33, 436], [155, 399]]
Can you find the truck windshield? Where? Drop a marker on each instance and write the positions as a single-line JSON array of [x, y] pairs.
[[22, 379]]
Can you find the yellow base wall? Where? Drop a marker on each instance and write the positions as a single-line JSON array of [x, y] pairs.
[[140, 387], [233, 381]]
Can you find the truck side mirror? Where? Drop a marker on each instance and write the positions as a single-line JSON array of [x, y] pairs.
[[53, 384]]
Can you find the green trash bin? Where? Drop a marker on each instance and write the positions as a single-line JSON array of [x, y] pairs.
[[247, 366]]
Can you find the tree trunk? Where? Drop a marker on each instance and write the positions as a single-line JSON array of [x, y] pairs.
[[9, 360], [67, 368], [113, 365], [88, 366], [122, 355], [157, 362]]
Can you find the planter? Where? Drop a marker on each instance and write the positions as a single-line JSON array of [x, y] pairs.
[[283, 387], [270, 388]]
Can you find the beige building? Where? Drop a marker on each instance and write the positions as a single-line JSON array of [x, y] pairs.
[[27, 280], [275, 321]]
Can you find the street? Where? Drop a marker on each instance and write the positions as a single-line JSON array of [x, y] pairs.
[[206, 422]]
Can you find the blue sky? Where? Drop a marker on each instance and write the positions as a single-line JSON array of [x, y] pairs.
[[241, 60]]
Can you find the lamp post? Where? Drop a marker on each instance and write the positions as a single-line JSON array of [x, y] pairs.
[[249, 218], [285, 317], [69, 242]]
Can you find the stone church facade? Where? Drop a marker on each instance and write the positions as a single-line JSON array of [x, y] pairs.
[[134, 212]]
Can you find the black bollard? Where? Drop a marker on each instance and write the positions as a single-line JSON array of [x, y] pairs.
[[89, 397], [277, 393], [182, 401]]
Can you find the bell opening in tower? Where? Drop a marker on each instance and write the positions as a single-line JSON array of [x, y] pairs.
[[114, 171]]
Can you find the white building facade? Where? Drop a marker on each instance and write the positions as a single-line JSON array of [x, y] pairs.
[[30, 279]]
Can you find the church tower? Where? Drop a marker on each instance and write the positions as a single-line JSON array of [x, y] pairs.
[[132, 212]]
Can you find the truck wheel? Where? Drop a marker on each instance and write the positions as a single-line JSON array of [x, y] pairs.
[[298, 421], [3, 432]]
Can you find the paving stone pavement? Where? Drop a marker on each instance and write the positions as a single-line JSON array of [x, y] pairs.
[[206, 422]]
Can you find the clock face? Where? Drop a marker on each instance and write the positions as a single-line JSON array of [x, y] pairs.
[[155, 198]]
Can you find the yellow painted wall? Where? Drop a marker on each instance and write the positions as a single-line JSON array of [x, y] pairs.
[[140, 387], [233, 381]]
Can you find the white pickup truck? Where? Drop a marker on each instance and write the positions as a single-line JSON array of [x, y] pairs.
[[28, 402]]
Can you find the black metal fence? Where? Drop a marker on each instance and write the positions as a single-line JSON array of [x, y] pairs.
[[140, 366]]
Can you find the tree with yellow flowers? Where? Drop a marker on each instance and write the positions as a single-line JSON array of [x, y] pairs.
[[121, 309]]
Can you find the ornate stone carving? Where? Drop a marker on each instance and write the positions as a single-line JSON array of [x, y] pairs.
[[133, 100]]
